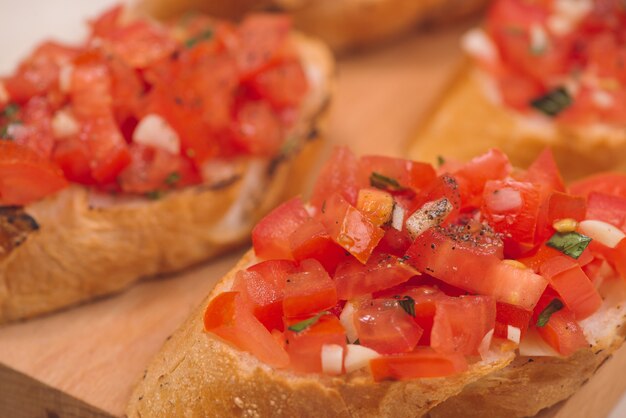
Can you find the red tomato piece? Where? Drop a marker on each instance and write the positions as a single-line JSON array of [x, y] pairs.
[[25, 176], [382, 271], [545, 253], [558, 206], [513, 284], [544, 170], [472, 176], [108, 151], [35, 129], [511, 315], [283, 85], [512, 207], [339, 175], [308, 291], [258, 130], [572, 285], [423, 362], [613, 184], [270, 237], [310, 240], [305, 347], [452, 331], [407, 173], [350, 228], [384, 326], [394, 242], [264, 287], [72, 156], [607, 208], [230, 318], [376, 204]]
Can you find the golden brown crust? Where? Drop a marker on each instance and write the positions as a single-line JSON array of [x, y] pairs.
[[196, 375], [465, 111], [84, 249]]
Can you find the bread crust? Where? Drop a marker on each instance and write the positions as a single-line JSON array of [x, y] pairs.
[[196, 374], [343, 24], [465, 111], [84, 248]]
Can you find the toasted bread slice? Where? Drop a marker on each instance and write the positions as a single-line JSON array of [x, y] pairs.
[[78, 244], [467, 110], [196, 374]]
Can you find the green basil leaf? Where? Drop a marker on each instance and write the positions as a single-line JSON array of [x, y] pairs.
[[302, 325], [383, 182], [10, 110], [553, 307], [172, 178], [207, 34], [569, 243], [553, 102], [408, 304]]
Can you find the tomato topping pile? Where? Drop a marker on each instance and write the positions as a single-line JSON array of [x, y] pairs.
[[562, 60], [417, 272], [142, 107]]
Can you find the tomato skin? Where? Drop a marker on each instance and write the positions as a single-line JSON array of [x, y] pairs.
[[229, 317], [423, 362], [382, 271], [453, 333], [108, 151], [270, 237], [258, 129], [25, 176], [349, 228], [264, 285], [72, 156], [394, 242], [544, 170], [305, 347], [572, 285], [35, 131], [282, 85], [613, 184], [514, 285], [385, 327], [511, 315], [311, 240], [308, 291], [607, 208], [411, 174], [472, 176], [338, 175]]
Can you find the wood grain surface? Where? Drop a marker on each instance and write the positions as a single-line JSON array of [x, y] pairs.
[[84, 361]]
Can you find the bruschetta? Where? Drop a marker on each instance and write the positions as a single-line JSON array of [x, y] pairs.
[[148, 148], [540, 74], [343, 24], [401, 290]]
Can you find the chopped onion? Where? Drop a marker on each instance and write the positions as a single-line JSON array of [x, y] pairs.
[[397, 217], [347, 320], [538, 39], [64, 124], [358, 357], [513, 334], [604, 233], [429, 215], [485, 345], [154, 131], [478, 44], [534, 345], [332, 359], [602, 99]]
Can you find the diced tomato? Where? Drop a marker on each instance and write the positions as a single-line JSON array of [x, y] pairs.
[[452, 331], [426, 298], [282, 85], [25, 176], [513, 284], [305, 347], [350, 228], [339, 175], [263, 285], [545, 171], [107, 22], [376, 204], [613, 184], [230, 318], [108, 151], [472, 176], [72, 156], [384, 326], [270, 237], [308, 291], [572, 285], [258, 129], [90, 87], [423, 362], [512, 207], [618, 258], [555, 207], [511, 315], [310, 240], [394, 242], [607, 208], [35, 129], [407, 173], [562, 331], [382, 271], [444, 186]]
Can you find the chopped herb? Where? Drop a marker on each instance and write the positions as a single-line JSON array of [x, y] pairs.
[[324, 206], [357, 342], [203, 36], [569, 243], [10, 110], [302, 325], [383, 182], [553, 102], [154, 194], [553, 307], [408, 304], [172, 178], [289, 146], [440, 160]]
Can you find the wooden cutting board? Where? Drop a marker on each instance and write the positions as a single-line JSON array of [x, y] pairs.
[[83, 362]]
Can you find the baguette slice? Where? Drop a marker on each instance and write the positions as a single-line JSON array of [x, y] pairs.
[[343, 24], [469, 110], [78, 245], [197, 374]]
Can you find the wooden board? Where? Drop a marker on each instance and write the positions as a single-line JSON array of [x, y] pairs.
[[83, 362]]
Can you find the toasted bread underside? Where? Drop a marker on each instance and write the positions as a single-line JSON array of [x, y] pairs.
[[343, 24], [466, 123], [196, 374], [78, 245]]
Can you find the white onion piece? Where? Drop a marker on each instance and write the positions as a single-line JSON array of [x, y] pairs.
[[347, 320], [429, 215], [602, 99], [485, 345], [332, 359], [65, 77], [154, 131], [397, 217], [513, 334], [64, 124], [534, 345], [604, 233], [478, 44], [358, 357], [538, 38]]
